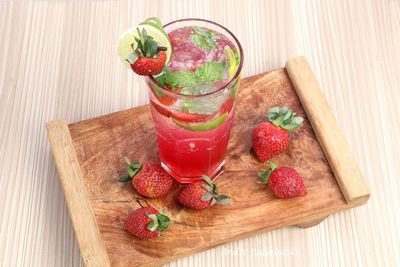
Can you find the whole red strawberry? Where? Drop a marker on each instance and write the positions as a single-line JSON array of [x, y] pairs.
[[201, 194], [284, 182], [272, 138], [150, 66], [146, 222], [149, 180], [148, 58]]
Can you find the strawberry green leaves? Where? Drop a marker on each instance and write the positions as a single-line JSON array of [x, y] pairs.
[[285, 118], [204, 39], [212, 193], [163, 221], [146, 46], [159, 222], [263, 175], [153, 225], [207, 197], [132, 168]]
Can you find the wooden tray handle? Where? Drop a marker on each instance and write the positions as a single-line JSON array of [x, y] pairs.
[[81, 212], [329, 135]]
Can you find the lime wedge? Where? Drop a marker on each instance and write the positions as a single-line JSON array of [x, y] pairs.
[[232, 61], [127, 43], [200, 127], [155, 22]]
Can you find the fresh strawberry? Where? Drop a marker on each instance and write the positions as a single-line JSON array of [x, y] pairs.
[[272, 138], [149, 180], [149, 66], [146, 222], [284, 182], [201, 194], [149, 58]]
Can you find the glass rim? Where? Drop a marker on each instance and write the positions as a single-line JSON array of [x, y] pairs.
[[226, 85]]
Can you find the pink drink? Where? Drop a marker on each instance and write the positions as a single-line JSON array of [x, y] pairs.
[[193, 107], [191, 155]]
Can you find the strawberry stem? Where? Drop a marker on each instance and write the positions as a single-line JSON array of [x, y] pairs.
[[159, 222], [212, 193], [132, 168], [127, 161], [146, 45], [263, 175]]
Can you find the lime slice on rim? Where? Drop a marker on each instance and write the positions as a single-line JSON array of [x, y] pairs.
[[200, 127], [155, 22], [127, 43], [232, 61]]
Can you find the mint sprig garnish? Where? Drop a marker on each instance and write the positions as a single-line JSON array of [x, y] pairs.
[[176, 79], [194, 83], [162, 77], [210, 72], [207, 73], [204, 39], [181, 78]]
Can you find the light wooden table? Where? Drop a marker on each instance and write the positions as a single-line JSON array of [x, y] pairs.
[[58, 60]]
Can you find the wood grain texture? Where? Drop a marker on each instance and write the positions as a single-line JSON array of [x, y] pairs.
[[80, 209], [101, 143], [329, 135], [58, 60]]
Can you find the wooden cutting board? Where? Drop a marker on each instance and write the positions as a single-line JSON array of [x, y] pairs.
[[88, 156]]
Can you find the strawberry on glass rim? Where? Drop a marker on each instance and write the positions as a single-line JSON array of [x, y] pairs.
[[145, 48], [148, 58]]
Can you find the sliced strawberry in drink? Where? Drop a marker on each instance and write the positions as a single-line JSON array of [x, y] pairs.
[[160, 109], [162, 97], [227, 106], [188, 117]]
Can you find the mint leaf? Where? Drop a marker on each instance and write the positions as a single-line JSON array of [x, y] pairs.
[[204, 39], [186, 91], [210, 72], [162, 77], [181, 78], [178, 78], [207, 73]]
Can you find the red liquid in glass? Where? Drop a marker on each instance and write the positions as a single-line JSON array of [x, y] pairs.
[[187, 154]]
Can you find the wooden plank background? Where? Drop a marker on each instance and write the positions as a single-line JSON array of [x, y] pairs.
[[58, 60]]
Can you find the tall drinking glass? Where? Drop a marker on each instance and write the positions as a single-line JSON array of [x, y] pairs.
[[193, 123]]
